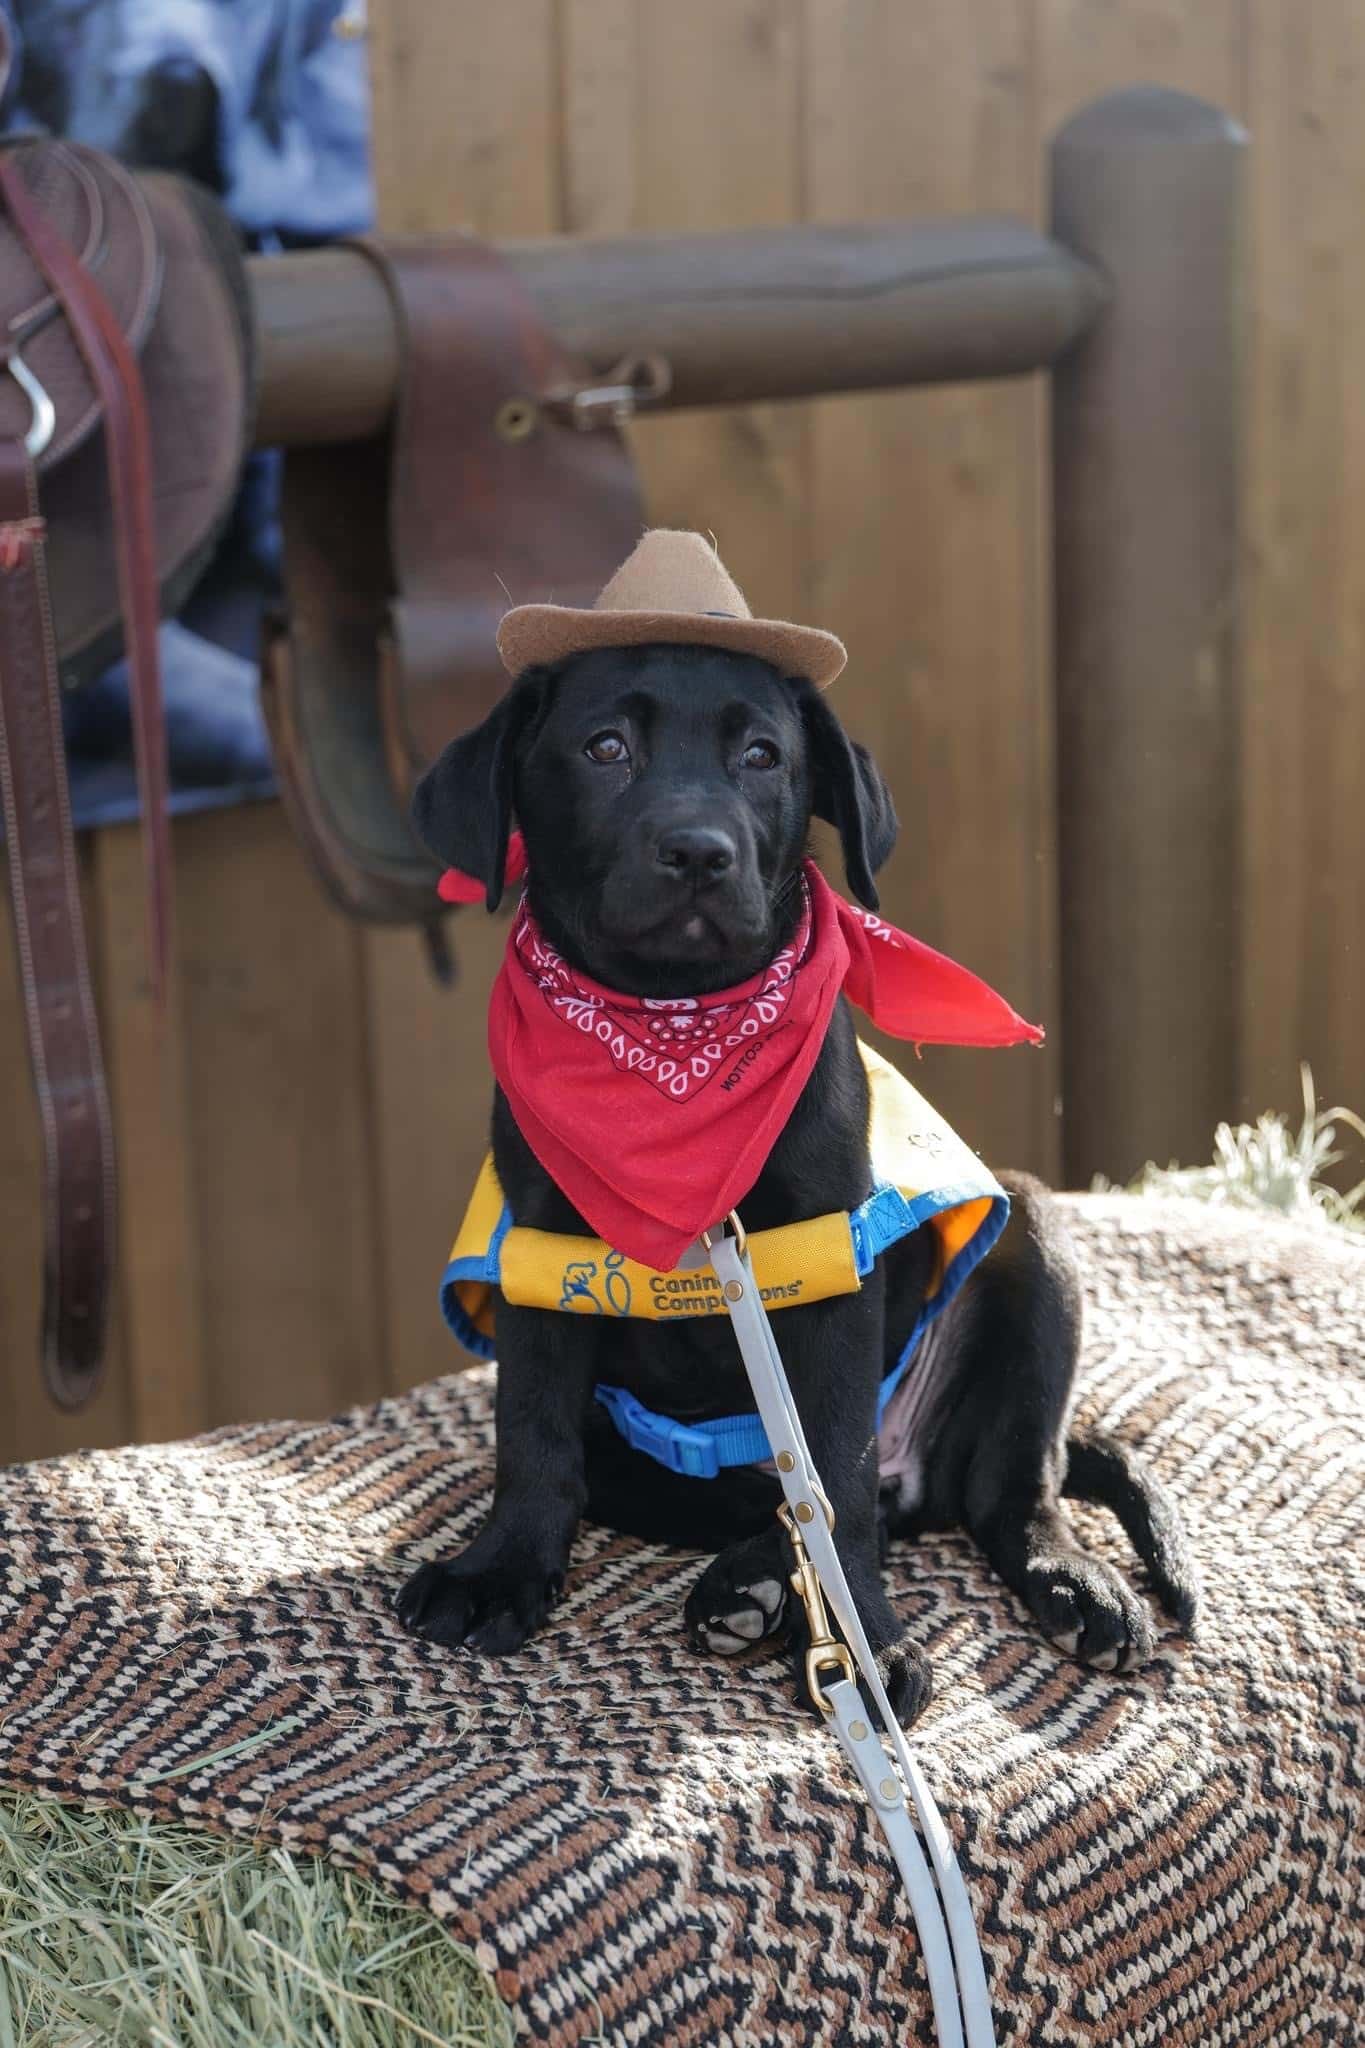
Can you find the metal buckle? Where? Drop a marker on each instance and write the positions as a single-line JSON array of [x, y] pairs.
[[736, 1230], [633, 382], [688, 1452]]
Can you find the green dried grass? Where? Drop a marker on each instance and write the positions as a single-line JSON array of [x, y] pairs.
[[1270, 1165], [121, 1932]]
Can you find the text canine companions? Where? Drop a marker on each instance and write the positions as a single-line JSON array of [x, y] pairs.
[[672, 1036]]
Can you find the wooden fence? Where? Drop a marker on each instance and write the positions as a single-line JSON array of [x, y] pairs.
[[296, 1148]]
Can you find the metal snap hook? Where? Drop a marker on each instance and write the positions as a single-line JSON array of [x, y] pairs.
[[43, 423], [633, 382]]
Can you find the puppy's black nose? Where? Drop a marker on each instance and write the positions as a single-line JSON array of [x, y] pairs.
[[696, 853]]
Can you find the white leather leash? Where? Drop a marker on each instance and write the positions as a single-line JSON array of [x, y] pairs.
[[891, 1780]]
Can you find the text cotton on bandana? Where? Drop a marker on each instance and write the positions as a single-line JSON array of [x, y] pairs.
[[655, 1116]]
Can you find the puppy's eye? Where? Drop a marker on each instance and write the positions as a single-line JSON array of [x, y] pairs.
[[607, 747], [758, 754]]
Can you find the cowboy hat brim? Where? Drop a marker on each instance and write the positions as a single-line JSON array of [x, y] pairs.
[[533, 634]]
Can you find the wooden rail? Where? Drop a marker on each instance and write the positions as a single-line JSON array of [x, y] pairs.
[[773, 313]]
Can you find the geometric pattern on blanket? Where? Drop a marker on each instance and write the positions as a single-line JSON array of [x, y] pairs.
[[657, 1847]]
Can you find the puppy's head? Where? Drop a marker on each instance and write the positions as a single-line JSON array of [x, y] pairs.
[[665, 794]]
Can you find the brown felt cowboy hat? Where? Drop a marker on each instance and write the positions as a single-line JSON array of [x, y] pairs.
[[673, 588]]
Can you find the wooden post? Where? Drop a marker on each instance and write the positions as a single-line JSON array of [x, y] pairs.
[[1148, 185]]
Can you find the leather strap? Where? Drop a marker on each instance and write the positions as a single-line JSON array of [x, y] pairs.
[[320, 688], [117, 379], [885, 1768], [63, 1032], [403, 551], [494, 498], [59, 1007]]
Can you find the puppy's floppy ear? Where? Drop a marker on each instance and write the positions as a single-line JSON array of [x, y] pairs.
[[847, 790], [462, 807]]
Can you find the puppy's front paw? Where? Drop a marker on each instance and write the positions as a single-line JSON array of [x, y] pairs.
[[744, 1596], [902, 1666], [493, 1608], [740, 1598], [908, 1676]]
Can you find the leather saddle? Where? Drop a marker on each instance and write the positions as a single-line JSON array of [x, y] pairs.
[[125, 402], [503, 475]]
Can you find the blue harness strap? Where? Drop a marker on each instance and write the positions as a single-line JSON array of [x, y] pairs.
[[697, 1450]]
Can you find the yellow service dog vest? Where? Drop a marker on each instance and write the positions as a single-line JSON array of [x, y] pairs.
[[923, 1174]]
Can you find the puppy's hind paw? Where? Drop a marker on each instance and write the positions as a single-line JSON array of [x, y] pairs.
[[1090, 1612]]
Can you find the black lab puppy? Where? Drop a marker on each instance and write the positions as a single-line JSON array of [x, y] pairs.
[[666, 794]]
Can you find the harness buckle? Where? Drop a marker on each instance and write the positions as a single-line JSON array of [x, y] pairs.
[[689, 1452]]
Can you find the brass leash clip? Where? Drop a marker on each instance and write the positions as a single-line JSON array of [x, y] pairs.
[[826, 1652]]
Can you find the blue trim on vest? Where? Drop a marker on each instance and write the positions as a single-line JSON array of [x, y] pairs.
[[701, 1450], [966, 1262], [488, 1271]]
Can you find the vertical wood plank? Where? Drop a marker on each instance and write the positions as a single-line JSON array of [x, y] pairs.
[[431, 1088], [600, 60], [30, 1425], [688, 118], [927, 546], [467, 132], [465, 116], [279, 1109], [1303, 985], [145, 1058], [1088, 47]]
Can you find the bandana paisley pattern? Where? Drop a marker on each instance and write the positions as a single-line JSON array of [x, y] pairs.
[[676, 1043]]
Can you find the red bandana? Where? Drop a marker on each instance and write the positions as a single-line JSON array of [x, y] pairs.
[[655, 1117]]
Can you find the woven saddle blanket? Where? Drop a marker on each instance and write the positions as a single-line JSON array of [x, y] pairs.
[[659, 1848]]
